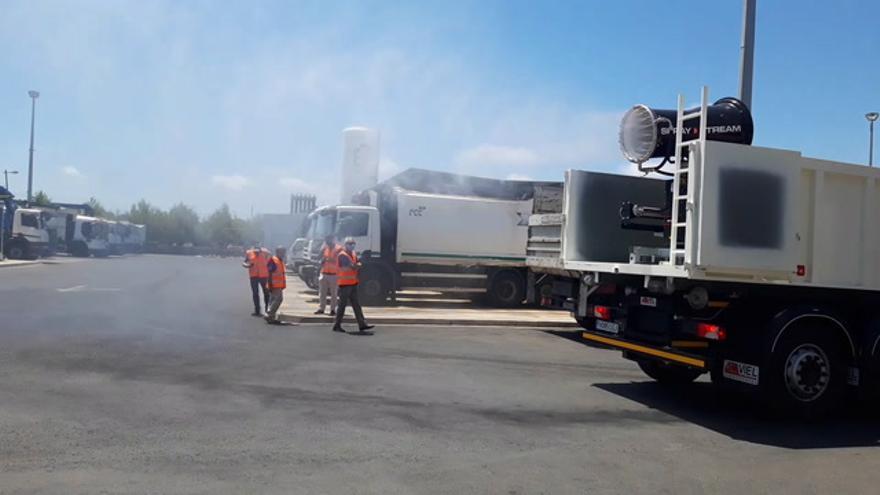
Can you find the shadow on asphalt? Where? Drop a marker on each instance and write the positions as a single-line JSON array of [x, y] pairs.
[[737, 417]]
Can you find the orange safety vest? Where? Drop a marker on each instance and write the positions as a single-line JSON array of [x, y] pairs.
[[330, 263], [347, 275], [278, 278], [258, 263]]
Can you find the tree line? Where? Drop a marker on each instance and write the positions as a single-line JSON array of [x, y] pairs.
[[179, 225]]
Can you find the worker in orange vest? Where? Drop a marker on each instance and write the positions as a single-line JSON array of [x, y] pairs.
[[277, 284], [327, 278], [347, 279], [256, 260]]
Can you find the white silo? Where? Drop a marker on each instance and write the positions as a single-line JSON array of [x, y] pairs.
[[360, 160]]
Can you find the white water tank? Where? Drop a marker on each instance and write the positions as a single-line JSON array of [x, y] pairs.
[[360, 161]]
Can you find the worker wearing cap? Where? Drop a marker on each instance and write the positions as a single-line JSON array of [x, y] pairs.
[[327, 284], [347, 279], [256, 260], [277, 284]]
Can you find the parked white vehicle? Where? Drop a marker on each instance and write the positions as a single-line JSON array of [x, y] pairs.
[[454, 243], [27, 237]]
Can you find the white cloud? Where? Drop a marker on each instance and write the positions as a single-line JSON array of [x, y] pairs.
[[495, 155], [388, 168], [71, 171], [230, 182], [518, 177]]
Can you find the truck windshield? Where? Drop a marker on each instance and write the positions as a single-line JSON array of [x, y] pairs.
[[30, 220], [324, 225], [352, 224]]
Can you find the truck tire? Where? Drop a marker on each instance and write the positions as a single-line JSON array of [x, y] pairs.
[[79, 249], [668, 374], [507, 289], [311, 280], [806, 373], [373, 286], [18, 250]]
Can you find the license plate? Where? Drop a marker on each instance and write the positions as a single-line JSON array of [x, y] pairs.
[[741, 372], [607, 326], [648, 301]]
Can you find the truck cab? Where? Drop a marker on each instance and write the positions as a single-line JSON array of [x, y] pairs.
[[27, 237], [87, 235], [359, 222]]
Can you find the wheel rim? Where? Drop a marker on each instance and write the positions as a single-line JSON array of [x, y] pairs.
[[505, 291], [807, 372], [372, 288]]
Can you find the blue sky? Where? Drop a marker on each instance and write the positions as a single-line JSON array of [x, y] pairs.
[[244, 102]]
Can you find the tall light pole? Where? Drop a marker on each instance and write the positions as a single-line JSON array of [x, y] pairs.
[[872, 117], [6, 176], [747, 53], [30, 196]]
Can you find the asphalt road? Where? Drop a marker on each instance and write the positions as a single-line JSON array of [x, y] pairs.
[[146, 374]]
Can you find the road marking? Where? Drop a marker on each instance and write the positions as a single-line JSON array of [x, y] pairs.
[[83, 288], [75, 288]]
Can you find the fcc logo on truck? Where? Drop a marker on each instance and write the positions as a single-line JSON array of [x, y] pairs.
[[741, 372]]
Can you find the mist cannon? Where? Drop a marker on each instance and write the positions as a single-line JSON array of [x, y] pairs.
[[647, 133]]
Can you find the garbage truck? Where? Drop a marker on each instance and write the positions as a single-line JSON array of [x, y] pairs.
[[768, 274], [434, 231], [23, 229]]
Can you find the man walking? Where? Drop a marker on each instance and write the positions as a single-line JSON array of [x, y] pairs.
[[327, 278], [347, 279], [277, 284], [256, 260]]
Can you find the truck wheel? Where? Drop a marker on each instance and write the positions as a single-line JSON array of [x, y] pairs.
[[668, 374], [373, 286], [507, 289], [79, 249], [311, 280], [806, 373], [17, 250]]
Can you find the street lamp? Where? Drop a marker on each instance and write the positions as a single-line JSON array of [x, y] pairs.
[[6, 176], [872, 117], [34, 95]]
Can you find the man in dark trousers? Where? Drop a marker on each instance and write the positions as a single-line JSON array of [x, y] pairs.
[[277, 284], [347, 279], [256, 260]]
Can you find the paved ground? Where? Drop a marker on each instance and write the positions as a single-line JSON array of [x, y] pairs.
[[146, 375], [425, 309]]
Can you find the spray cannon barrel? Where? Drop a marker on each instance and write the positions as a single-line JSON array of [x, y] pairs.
[[647, 133]]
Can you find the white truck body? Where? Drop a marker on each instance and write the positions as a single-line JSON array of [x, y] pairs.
[[768, 277], [455, 230], [764, 215]]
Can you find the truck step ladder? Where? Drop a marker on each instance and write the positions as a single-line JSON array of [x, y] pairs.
[[683, 190]]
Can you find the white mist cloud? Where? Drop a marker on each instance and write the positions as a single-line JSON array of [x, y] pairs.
[[388, 168], [230, 182], [491, 155], [71, 171]]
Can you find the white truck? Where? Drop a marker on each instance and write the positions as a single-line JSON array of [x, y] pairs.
[[26, 237], [769, 276], [435, 241], [82, 235]]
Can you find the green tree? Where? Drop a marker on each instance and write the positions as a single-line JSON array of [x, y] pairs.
[[99, 209], [42, 199], [183, 222], [222, 227]]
